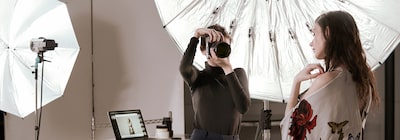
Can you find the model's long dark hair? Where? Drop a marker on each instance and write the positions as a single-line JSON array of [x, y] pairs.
[[343, 47]]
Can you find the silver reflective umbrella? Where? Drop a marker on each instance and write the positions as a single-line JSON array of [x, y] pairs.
[[21, 22], [271, 37]]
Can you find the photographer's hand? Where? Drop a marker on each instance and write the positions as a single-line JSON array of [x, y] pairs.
[[211, 33]]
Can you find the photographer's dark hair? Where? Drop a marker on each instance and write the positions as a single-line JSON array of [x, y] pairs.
[[216, 27]]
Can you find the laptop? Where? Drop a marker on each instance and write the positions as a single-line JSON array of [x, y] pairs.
[[128, 125]]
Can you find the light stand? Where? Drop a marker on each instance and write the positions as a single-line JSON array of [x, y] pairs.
[[266, 114], [264, 124], [40, 46], [38, 110]]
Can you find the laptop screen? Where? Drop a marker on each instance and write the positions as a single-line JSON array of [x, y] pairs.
[[128, 124]]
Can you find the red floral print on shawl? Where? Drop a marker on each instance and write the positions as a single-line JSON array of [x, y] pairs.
[[301, 121]]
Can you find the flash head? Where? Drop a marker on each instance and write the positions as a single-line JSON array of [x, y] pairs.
[[42, 44]]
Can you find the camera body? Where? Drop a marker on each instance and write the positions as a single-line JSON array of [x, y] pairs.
[[42, 44], [221, 49]]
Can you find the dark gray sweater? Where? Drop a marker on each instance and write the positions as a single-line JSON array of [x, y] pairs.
[[219, 100]]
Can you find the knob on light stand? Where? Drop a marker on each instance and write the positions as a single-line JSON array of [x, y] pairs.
[[40, 46]]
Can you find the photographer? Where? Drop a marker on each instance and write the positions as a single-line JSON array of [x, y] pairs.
[[219, 93]]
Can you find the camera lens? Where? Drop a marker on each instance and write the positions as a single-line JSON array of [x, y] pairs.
[[222, 49]]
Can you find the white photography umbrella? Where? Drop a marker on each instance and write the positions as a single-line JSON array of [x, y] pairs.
[[271, 37], [21, 22]]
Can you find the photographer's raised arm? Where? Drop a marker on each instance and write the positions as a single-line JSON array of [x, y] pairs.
[[186, 68], [239, 87]]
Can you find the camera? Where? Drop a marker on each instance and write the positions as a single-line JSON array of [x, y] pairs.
[[42, 44], [221, 49]]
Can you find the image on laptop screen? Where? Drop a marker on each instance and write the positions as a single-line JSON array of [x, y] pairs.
[[128, 124]]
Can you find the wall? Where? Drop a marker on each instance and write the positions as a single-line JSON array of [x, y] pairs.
[[134, 66]]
